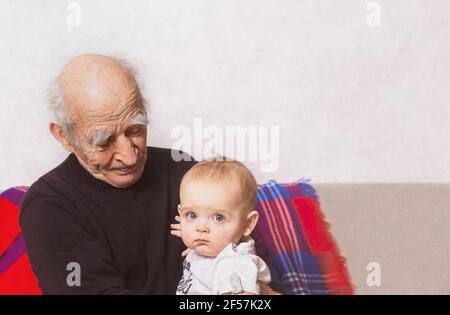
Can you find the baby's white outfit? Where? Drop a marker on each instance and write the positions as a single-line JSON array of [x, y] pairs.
[[235, 269]]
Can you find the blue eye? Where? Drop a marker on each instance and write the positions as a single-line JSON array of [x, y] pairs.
[[191, 215], [218, 218]]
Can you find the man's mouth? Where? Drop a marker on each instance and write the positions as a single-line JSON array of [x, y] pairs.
[[125, 170]]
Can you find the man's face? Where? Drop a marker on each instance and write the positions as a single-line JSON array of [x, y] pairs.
[[211, 215], [112, 139]]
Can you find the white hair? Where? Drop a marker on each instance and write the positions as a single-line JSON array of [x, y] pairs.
[[58, 107], [60, 113]]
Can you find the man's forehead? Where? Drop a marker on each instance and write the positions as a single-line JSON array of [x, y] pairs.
[[97, 82], [98, 101], [113, 123], [115, 109]]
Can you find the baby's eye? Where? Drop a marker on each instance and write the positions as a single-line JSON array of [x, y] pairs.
[[191, 215], [218, 218]]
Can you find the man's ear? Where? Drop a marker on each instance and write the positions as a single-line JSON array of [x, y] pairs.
[[60, 135], [250, 222]]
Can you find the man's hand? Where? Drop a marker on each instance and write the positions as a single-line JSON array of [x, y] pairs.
[[264, 289], [176, 230], [176, 227]]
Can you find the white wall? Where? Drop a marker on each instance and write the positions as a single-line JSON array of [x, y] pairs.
[[354, 103]]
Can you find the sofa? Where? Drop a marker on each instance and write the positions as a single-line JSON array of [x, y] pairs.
[[404, 228]]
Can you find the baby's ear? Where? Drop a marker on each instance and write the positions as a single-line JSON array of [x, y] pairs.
[[250, 222]]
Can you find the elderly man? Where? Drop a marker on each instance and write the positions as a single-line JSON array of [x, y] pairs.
[[107, 208], [105, 211]]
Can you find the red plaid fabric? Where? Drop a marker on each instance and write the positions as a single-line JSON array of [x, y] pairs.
[[294, 239]]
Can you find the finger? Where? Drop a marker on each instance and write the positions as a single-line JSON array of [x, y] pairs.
[[186, 252], [266, 290], [177, 218], [175, 226], [176, 233]]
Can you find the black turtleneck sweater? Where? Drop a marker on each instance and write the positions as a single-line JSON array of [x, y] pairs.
[[119, 237]]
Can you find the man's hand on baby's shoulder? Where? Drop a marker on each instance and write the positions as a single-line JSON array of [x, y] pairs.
[[186, 252], [176, 227], [176, 230]]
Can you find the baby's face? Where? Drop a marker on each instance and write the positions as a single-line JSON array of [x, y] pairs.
[[211, 215]]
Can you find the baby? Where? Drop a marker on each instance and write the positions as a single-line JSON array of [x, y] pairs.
[[217, 211]]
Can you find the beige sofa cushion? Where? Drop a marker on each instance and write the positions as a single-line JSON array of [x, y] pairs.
[[403, 227]]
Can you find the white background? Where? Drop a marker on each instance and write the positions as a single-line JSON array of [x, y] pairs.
[[354, 103]]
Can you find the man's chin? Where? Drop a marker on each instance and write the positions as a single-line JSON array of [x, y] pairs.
[[124, 180]]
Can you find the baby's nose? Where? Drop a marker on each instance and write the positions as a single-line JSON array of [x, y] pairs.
[[202, 228]]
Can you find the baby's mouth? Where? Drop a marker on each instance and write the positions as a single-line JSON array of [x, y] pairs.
[[199, 242]]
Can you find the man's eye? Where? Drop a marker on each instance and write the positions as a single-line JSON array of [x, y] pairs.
[[135, 131], [104, 144], [191, 215], [218, 218]]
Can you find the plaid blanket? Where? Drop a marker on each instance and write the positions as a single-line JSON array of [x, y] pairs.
[[16, 276], [294, 240]]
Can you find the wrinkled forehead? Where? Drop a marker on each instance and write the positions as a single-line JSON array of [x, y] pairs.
[[114, 113]]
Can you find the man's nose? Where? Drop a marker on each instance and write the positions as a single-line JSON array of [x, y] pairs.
[[126, 151]]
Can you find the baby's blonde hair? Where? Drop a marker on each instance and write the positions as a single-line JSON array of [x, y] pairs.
[[223, 169]]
